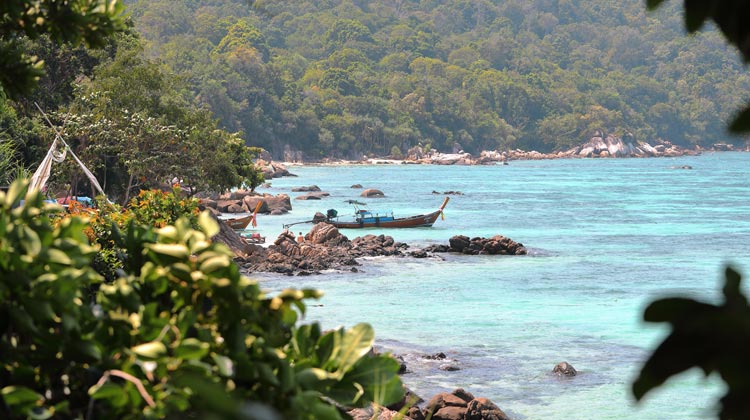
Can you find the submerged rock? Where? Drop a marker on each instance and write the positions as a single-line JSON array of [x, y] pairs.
[[462, 405], [372, 193], [564, 369]]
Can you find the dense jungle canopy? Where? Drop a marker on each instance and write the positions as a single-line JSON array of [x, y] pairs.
[[351, 78], [346, 78]]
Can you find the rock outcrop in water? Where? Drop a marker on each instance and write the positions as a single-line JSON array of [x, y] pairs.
[[599, 145], [242, 201], [496, 245], [324, 248], [564, 369]]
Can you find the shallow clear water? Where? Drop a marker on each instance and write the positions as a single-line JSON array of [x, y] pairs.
[[605, 238]]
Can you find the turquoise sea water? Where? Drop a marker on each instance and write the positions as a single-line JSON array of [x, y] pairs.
[[605, 238]]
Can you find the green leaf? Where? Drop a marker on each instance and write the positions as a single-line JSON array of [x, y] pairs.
[[310, 402], [653, 4], [313, 378], [178, 251], [696, 12], [18, 395], [325, 347], [224, 364], [111, 392], [152, 350], [57, 256], [732, 294], [741, 122], [191, 348], [356, 342], [16, 192], [378, 377], [85, 350], [207, 224], [31, 241], [669, 309], [40, 413], [215, 263], [214, 396]]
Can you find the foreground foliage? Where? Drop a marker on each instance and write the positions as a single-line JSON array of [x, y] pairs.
[[715, 338], [179, 332]]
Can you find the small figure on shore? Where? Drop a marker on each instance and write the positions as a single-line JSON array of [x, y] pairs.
[[300, 238]]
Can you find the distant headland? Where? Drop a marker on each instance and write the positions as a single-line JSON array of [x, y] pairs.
[[600, 145]]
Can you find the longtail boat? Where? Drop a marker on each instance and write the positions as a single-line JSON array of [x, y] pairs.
[[240, 223], [364, 218]]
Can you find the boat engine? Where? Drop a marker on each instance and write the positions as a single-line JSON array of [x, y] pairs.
[[331, 214]]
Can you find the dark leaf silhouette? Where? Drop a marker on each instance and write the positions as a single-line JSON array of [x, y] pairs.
[[715, 338]]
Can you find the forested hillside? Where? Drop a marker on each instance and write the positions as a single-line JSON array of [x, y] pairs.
[[344, 78]]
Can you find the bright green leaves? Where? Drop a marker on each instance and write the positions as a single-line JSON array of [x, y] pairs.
[[351, 346], [338, 365], [44, 276], [177, 330], [150, 351], [715, 338]]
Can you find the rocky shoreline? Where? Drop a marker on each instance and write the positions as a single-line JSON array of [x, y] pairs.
[[325, 248]]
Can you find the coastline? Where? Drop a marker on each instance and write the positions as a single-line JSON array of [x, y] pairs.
[[509, 321], [503, 158]]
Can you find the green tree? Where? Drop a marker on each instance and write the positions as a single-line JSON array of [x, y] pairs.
[[89, 22], [133, 125]]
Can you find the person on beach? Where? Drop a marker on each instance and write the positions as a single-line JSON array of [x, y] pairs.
[[300, 238]]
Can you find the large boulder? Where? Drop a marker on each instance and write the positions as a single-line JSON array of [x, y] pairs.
[[326, 234], [369, 413], [313, 196], [324, 247], [484, 409], [564, 369], [241, 194], [250, 202], [231, 239], [311, 188], [272, 169], [372, 193], [496, 245], [281, 202], [225, 205], [462, 405]]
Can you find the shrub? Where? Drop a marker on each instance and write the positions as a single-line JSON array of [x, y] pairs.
[[178, 333]]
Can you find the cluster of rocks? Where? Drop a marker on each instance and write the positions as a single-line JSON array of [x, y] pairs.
[[496, 245], [272, 169], [313, 193], [600, 145], [323, 248], [243, 201], [456, 405], [604, 145]]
